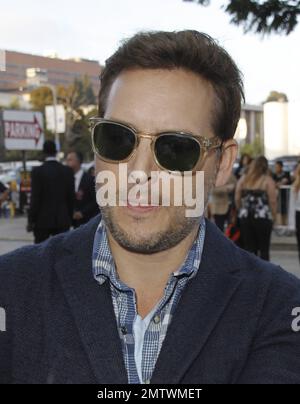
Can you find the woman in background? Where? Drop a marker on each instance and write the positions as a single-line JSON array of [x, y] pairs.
[[244, 164], [294, 208], [256, 201], [221, 202]]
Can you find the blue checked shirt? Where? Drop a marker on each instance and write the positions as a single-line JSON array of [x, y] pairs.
[[142, 339]]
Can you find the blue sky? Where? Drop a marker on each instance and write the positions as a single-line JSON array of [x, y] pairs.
[[94, 28]]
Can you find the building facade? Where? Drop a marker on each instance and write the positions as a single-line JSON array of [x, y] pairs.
[[281, 127], [59, 71], [254, 117]]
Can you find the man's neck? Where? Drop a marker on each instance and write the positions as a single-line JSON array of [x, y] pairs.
[[148, 274]]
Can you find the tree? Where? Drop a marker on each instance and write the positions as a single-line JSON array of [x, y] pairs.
[[81, 136], [276, 96], [15, 103], [76, 95], [262, 16], [254, 149], [88, 91], [73, 98], [40, 97]]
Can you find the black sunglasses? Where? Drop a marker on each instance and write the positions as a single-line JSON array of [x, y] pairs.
[[116, 142]]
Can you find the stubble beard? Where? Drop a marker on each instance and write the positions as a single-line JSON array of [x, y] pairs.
[[179, 228]]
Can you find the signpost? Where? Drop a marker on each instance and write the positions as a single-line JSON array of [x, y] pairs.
[[23, 130], [36, 77], [58, 113]]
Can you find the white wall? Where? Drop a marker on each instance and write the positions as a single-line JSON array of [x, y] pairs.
[[294, 128], [276, 129]]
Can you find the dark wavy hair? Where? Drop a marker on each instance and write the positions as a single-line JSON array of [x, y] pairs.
[[190, 50], [258, 168]]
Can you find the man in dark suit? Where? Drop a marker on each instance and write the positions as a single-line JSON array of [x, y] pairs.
[[85, 206], [52, 196], [4, 193], [147, 294]]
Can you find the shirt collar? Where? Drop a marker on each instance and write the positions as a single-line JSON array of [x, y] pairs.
[[104, 266], [79, 173]]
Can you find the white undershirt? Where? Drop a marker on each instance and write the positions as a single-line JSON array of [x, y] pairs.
[[140, 326], [78, 177]]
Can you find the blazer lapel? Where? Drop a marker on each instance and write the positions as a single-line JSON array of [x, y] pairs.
[[91, 305], [82, 181], [199, 309]]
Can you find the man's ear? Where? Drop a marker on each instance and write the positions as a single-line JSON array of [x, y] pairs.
[[227, 159]]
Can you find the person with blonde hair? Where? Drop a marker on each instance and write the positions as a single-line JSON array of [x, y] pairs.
[[294, 206], [256, 201]]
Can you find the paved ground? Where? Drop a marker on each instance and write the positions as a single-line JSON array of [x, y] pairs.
[[13, 235], [14, 230], [287, 259]]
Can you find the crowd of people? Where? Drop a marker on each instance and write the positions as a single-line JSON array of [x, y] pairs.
[[253, 200], [62, 196], [246, 208]]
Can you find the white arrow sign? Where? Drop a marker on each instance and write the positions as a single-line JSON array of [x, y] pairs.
[[23, 130]]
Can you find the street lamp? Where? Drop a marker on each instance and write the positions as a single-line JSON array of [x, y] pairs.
[[36, 77]]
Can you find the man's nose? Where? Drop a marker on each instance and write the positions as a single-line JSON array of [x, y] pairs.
[[143, 160]]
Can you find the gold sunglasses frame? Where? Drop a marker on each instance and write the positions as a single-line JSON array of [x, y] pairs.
[[205, 144]]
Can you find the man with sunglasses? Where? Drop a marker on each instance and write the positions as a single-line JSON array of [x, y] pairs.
[[144, 293]]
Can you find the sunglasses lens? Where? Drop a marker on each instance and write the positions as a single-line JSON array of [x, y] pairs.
[[177, 152], [113, 141]]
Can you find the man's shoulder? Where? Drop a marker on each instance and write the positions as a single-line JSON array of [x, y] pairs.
[[257, 268], [69, 172], [35, 263], [45, 166], [87, 178], [63, 169], [27, 265], [37, 169], [277, 288], [28, 271], [248, 266]]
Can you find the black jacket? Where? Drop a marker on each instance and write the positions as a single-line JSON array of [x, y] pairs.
[[233, 323], [85, 199], [52, 196]]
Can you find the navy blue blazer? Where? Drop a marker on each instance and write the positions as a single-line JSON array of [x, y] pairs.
[[233, 323]]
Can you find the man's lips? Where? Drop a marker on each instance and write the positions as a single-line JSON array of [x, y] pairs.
[[141, 208]]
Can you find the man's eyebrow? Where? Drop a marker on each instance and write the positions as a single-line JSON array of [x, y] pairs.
[[162, 130], [123, 121]]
